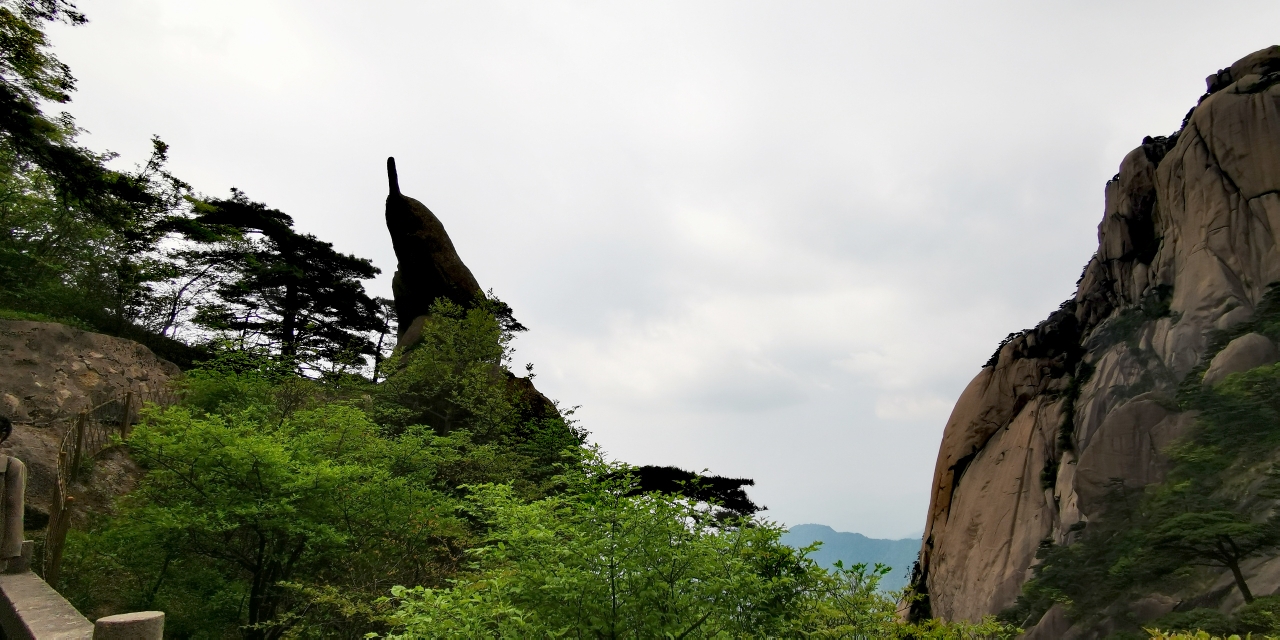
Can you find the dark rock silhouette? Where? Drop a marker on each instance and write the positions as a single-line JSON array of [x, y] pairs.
[[428, 265], [428, 268]]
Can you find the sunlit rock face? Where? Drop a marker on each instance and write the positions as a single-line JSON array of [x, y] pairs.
[[1187, 245]]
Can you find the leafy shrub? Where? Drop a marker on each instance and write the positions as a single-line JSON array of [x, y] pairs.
[[1210, 620], [596, 560], [1260, 616]]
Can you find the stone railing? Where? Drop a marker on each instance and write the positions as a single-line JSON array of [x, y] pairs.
[[30, 609]]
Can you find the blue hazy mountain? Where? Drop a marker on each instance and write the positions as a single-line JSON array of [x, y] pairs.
[[854, 548]]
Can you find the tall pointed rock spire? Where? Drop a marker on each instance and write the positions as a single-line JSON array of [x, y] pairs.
[[428, 267], [393, 179]]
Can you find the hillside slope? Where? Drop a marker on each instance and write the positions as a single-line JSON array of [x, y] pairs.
[[1187, 248]]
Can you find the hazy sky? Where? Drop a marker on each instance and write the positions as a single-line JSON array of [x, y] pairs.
[[769, 239]]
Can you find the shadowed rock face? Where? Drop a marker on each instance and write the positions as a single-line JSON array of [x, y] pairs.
[[1187, 245], [428, 267]]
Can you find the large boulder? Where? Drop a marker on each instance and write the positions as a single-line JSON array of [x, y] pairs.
[[1052, 626], [1242, 354], [428, 268]]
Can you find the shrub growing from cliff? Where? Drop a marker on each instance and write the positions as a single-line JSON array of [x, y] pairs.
[[1212, 509], [456, 377]]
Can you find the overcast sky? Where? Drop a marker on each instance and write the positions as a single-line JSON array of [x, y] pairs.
[[769, 239]]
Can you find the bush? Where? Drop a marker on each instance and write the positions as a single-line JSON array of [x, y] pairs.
[[1211, 620], [1260, 616]]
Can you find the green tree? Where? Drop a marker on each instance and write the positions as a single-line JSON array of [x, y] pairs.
[[593, 561], [1216, 539], [80, 240], [288, 291], [456, 378], [280, 501]]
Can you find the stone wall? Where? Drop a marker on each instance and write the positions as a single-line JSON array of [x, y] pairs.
[[50, 372]]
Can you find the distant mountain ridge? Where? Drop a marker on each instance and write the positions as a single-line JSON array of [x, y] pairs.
[[853, 548]]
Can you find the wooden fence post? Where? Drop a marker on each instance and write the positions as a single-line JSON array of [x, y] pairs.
[[81, 424], [60, 511], [126, 418]]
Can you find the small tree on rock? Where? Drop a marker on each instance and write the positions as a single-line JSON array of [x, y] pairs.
[[1216, 539]]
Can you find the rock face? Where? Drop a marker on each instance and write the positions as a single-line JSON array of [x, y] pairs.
[[50, 372], [1186, 247], [428, 267]]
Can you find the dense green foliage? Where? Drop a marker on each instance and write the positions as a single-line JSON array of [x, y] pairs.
[[280, 289], [274, 502], [440, 503], [1258, 619], [592, 561]]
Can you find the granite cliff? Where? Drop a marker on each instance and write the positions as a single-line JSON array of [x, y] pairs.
[[1187, 247]]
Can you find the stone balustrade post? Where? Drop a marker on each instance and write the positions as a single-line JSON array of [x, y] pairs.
[[140, 625], [29, 608]]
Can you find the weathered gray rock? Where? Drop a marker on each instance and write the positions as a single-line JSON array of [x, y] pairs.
[[1191, 223], [998, 544], [1151, 607], [1242, 354], [1263, 576], [1128, 450], [31, 609], [1052, 626], [141, 625]]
